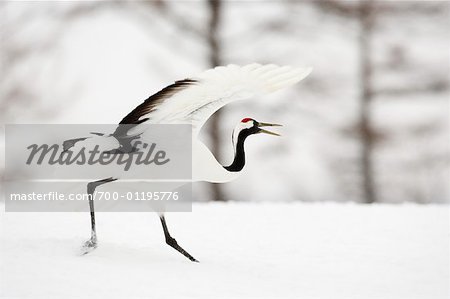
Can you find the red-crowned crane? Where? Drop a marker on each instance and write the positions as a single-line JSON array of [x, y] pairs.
[[193, 101]]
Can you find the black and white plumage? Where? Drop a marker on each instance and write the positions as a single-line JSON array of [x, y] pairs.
[[193, 101]]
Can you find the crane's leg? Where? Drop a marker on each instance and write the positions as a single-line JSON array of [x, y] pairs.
[[91, 244], [172, 242]]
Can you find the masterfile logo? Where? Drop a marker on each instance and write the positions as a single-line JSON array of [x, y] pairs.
[[146, 167], [145, 154], [62, 152]]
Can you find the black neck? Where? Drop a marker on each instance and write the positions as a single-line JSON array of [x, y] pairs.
[[239, 155]]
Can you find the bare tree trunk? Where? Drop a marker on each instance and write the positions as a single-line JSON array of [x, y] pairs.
[[215, 13], [367, 136]]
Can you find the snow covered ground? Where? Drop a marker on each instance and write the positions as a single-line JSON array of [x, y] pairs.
[[246, 250]]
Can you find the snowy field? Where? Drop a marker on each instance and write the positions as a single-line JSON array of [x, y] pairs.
[[245, 251]]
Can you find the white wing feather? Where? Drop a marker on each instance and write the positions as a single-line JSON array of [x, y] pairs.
[[217, 87]]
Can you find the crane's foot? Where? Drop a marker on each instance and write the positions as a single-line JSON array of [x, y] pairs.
[[89, 246], [173, 243]]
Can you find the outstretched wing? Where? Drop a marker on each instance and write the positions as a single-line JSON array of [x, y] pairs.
[[193, 101]]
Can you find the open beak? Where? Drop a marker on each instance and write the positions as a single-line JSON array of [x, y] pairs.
[[268, 125]]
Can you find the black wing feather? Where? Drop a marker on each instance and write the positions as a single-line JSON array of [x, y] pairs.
[[134, 117]]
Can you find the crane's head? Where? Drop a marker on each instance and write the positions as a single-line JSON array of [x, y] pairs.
[[249, 126], [246, 127]]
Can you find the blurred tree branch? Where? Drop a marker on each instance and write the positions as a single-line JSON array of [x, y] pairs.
[[215, 59], [366, 16], [139, 9]]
